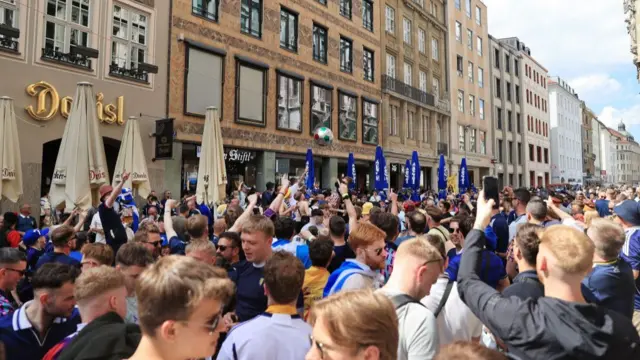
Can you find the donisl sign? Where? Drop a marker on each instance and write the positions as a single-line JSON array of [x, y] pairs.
[[48, 104]]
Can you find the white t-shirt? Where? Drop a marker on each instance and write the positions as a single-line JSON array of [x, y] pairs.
[[97, 224], [416, 325], [455, 321], [513, 228]]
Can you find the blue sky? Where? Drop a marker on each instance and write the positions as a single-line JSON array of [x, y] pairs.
[[585, 42]]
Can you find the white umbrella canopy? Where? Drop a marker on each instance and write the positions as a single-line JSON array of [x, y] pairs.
[[131, 159], [81, 166], [212, 173], [10, 162]]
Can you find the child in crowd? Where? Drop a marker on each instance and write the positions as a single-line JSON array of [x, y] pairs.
[[315, 278]]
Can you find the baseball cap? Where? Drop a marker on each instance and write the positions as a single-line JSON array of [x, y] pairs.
[[366, 208], [31, 236], [104, 190], [629, 211]]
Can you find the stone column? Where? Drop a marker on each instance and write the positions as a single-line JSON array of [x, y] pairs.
[[329, 172], [266, 171], [173, 172]]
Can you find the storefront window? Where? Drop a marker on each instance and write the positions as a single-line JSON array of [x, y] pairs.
[[320, 107], [369, 122], [348, 117]]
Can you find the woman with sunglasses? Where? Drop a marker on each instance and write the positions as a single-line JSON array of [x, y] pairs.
[[359, 325]]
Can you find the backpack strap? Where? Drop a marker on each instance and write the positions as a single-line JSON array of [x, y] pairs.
[[444, 237], [401, 300], [443, 301]]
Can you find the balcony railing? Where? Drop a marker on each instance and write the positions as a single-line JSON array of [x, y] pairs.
[[7, 43], [132, 74], [76, 60], [397, 86], [443, 149]]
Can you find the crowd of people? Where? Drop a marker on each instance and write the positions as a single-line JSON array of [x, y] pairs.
[[297, 273]]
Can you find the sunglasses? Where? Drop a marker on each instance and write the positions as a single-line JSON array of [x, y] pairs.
[[455, 230], [319, 346], [154, 243], [378, 251], [21, 272], [222, 247], [211, 326]]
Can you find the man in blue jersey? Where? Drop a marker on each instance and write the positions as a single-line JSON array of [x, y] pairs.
[[38, 325], [285, 228], [628, 215], [13, 265]]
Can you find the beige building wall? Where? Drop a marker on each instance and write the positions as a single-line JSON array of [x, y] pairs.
[[416, 108], [26, 64], [469, 66]]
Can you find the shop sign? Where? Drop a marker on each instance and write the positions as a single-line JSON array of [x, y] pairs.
[[235, 155], [8, 174], [164, 139], [49, 103]]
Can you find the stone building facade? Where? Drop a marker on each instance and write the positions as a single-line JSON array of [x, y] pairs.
[[589, 153], [276, 71]]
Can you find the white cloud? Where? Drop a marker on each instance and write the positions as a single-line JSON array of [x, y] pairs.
[[611, 116], [566, 36], [597, 85]]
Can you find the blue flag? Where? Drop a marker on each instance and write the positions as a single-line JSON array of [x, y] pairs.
[[415, 177], [463, 177], [442, 178], [381, 182], [407, 175], [351, 171], [311, 171]]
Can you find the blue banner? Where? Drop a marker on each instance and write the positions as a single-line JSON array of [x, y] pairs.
[[463, 177], [311, 171], [407, 175], [381, 182], [415, 177], [442, 178], [351, 171]]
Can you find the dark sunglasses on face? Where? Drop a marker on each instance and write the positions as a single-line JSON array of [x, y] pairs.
[[221, 247], [378, 251], [211, 326], [455, 230], [154, 243]]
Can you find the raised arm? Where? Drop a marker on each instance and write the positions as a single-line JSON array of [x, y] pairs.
[[284, 186], [117, 190], [237, 226], [351, 210], [81, 218], [168, 222], [394, 202]]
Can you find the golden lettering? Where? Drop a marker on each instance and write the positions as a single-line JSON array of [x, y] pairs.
[[65, 106], [49, 102], [43, 90]]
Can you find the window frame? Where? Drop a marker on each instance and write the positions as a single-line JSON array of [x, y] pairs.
[[325, 31], [367, 20], [470, 39], [205, 14], [342, 93], [422, 75], [346, 8], [215, 52], [280, 75], [406, 30], [458, 32], [390, 20], [472, 105], [131, 44], [265, 87], [462, 138], [422, 41], [249, 30], [389, 65], [482, 136], [346, 40], [377, 117], [478, 15], [480, 77], [435, 49], [467, 8], [481, 109], [461, 101], [470, 74], [284, 11], [329, 91], [407, 66], [68, 26], [371, 57], [479, 45]]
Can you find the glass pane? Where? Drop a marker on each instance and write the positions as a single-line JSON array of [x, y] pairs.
[[57, 8], [119, 54], [54, 35], [255, 20], [204, 81], [292, 32], [79, 38], [251, 96], [320, 108], [283, 28]]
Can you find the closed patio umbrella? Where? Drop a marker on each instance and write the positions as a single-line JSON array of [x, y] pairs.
[[131, 158], [212, 173], [11, 165], [81, 166]]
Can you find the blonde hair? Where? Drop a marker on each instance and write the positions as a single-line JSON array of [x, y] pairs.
[[365, 234], [608, 238], [589, 216], [102, 253], [461, 350], [360, 318], [259, 223], [174, 286], [572, 249], [196, 226], [419, 248], [96, 282], [205, 246]]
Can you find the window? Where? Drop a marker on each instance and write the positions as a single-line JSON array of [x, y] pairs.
[[251, 92], [518, 123], [369, 122], [289, 103], [478, 15], [469, 39], [393, 124], [458, 32], [390, 19], [206, 8], [346, 55], [410, 124], [470, 71], [509, 121], [203, 81], [496, 58], [67, 26], [546, 156], [517, 94], [422, 41], [461, 138], [323, 2], [508, 90], [347, 117], [507, 63], [519, 146], [499, 118], [251, 17], [459, 65], [498, 89], [516, 65], [367, 16], [129, 41], [531, 154], [367, 64], [461, 101], [467, 8], [434, 49], [458, 4], [472, 105], [500, 158], [426, 128], [406, 26], [483, 142], [539, 153], [345, 8], [288, 30], [391, 66], [472, 140], [481, 108], [320, 107], [423, 81], [408, 76], [319, 43], [510, 152], [479, 45], [434, 9], [480, 77]]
